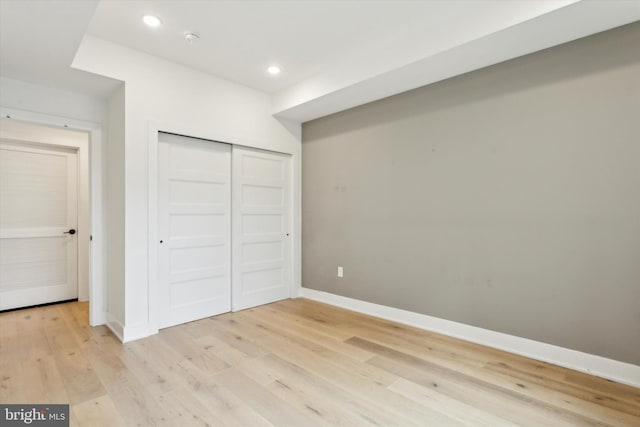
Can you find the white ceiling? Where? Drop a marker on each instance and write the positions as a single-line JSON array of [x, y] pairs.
[[240, 39], [39, 39], [406, 67], [334, 54]]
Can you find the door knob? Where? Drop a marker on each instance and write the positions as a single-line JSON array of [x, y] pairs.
[[72, 232]]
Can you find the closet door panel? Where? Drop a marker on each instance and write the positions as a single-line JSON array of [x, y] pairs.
[[261, 227], [194, 228]]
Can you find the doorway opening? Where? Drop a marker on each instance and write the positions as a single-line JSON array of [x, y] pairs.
[[47, 220]]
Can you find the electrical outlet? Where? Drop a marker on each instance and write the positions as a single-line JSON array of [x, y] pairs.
[[340, 271]]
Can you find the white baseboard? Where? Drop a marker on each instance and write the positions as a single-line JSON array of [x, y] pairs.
[[138, 331], [621, 372], [116, 327], [97, 319], [128, 333]]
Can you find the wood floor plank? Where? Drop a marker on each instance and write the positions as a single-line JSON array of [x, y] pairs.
[[99, 412], [294, 326], [362, 324], [45, 384], [269, 406], [256, 369], [225, 328], [32, 345], [9, 352], [8, 325], [361, 382], [291, 363], [461, 386], [60, 336], [197, 354], [311, 319], [366, 387], [432, 398], [591, 395], [12, 384], [77, 319], [229, 408], [298, 381], [78, 376], [454, 349], [160, 373], [182, 409], [576, 383], [283, 343], [230, 355], [621, 391], [134, 403], [544, 391], [102, 339], [499, 404]]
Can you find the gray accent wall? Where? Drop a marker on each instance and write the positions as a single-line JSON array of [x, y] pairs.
[[507, 198]]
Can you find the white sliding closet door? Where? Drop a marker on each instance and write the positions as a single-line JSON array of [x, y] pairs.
[[261, 227], [194, 229], [38, 223]]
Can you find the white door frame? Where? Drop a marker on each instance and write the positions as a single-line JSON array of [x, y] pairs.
[[152, 137], [90, 224]]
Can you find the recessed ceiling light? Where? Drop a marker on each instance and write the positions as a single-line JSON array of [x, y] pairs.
[[273, 70], [151, 21]]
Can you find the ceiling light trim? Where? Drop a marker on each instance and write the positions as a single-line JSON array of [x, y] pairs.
[[151, 21], [274, 70]]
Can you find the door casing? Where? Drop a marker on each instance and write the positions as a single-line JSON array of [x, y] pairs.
[[90, 221]]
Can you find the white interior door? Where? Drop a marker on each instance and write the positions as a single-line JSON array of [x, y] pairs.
[[38, 208], [194, 221], [261, 227]]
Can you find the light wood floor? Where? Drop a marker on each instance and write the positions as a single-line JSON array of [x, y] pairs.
[[293, 363]]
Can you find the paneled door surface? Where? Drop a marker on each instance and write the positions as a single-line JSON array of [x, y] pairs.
[[194, 229], [261, 227], [38, 222]]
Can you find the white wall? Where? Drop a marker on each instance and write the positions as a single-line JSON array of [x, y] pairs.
[[181, 100], [114, 222], [47, 100], [55, 107]]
